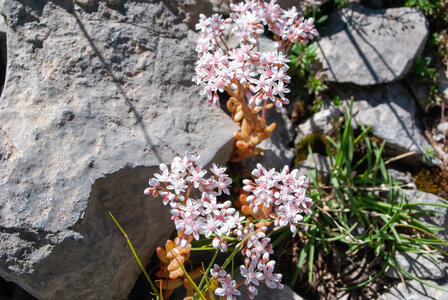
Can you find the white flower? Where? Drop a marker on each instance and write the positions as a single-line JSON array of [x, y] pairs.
[[228, 288]]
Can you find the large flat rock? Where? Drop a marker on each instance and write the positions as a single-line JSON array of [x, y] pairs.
[[366, 47], [390, 110], [95, 98], [414, 290]]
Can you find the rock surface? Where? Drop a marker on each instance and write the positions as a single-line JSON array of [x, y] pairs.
[[94, 100], [366, 47], [321, 163], [439, 218], [442, 82], [189, 10], [265, 293], [419, 265], [414, 290], [390, 109], [319, 123]]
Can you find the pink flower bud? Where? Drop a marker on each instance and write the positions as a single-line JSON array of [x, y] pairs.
[[215, 242], [224, 246], [246, 261], [266, 257], [175, 212], [184, 243]]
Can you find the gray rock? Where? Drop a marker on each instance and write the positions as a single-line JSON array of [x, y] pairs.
[[321, 163], [440, 215], [442, 82], [301, 5], [421, 95], [390, 109], [419, 265], [404, 178], [265, 293], [414, 290], [367, 47], [442, 126], [94, 101], [189, 10], [319, 123]]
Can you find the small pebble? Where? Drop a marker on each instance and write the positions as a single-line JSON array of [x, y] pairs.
[[443, 126], [437, 137]]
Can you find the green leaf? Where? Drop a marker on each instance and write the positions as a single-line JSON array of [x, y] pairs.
[[311, 256], [302, 257], [322, 19]]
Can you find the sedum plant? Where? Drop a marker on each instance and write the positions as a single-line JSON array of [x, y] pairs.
[[274, 197], [255, 81]]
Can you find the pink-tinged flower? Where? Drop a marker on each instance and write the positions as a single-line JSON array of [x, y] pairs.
[[280, 75], [204, 22], [212, 226], [165, 176], [222, 183], [217, 272], [192, 157], [209, 204], [178, 185], [231, 221], [252, 291], [195, 227], [261, 247], [218, 171], [228, 288], [251, 274], [289, 214], [196, 176], [191, 207], [280, 89], [291, 13], [272, 279]]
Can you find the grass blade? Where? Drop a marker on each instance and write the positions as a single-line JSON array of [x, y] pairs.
[[302, 257], [153, 287]]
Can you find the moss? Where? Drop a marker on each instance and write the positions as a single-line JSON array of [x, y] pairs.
[[315, 141], [434, 181]]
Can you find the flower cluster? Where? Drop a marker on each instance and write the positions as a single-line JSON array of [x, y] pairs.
[[257, 265], [228, 287], [272, 196], [278, 194], [195, 216], [220, 68]]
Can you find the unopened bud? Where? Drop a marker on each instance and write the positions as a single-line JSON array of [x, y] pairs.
[[215, 242], [224, 246]]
